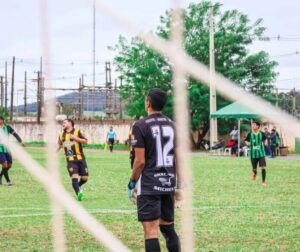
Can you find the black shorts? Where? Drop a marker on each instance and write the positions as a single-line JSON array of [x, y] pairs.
[[111, 141], [261, 161], [154, 207], [5, 157], [77, 167]]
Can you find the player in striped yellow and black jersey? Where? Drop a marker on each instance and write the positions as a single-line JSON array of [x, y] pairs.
[[71, 140], [257, 140]]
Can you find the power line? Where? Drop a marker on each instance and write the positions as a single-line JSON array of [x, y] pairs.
[[279, 38], [296, 53]]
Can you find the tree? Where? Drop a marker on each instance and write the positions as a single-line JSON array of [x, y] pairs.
[[4, 112], [142, 68]]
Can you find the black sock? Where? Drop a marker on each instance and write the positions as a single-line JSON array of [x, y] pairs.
[[75, 185], [263, 174], [152, 245], [5, 173], [172, 239], [254, 171], [81, 182], [1, 173]]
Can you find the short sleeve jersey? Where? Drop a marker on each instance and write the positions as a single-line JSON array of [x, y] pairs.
[[111, 135], [156, 135], [257, 149], [73, 149], [7, 129]]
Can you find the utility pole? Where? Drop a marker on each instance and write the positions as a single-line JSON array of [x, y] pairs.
[[2, 95], [277, 97], [294, 102], [39, 106], [94, 56], [120, 100], [82, 93], [25, 94], [6, 84], [115, 98], [108, 84], [12, 91], [212, 88], [80, 99]]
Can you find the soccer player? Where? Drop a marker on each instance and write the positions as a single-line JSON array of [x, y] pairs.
[[131, 148], [154, 173], [256, 139], [71, 139], [111, 137], [5, 155]]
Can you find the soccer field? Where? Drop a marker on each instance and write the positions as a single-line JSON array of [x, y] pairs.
[[231, 212]]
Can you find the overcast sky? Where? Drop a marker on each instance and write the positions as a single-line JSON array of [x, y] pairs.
[[70, 23]]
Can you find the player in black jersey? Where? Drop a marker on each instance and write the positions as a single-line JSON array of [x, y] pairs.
[[154, 173], [71, 140]]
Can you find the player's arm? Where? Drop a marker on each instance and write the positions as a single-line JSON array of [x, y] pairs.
[[60, 144], [15, 134], [139, 163], [138, 143], [247, 139], [80, 138]]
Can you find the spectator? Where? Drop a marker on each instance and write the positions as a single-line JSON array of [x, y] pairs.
[[277, 138], [273, 142], [234, 134], [267, 146]]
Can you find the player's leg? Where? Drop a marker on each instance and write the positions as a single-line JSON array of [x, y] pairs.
[[3, 164], [254, 162], [112, 144], [262, 164], [8, 166], [84, 176], [273, 151], [149, 215], [6, 160], [151, 235], [73, 172], [166, 223], [83, 172]]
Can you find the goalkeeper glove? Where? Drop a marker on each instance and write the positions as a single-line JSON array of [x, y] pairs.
[[131, 186]]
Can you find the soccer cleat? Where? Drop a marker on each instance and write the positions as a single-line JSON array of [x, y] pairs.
[[254, 176], [264, 184], [9, 183], [80, 196]]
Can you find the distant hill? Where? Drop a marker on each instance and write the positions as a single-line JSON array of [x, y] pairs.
[[99, 99]]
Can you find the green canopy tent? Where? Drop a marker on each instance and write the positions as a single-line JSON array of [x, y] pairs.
[[237, 111]]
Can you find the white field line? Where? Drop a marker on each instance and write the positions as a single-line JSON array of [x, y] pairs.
[[56, 190], [133, 211]]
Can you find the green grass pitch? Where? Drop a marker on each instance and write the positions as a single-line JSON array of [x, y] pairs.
[[231, 212]]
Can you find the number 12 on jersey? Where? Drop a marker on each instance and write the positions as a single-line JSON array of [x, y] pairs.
[[163, 149]]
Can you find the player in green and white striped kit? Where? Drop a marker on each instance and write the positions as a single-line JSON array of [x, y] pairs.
[[256, 140], [5, 155]]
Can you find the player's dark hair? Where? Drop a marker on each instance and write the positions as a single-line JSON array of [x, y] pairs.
[[71, 121], [157, 98], [257, 123], [2, 118]]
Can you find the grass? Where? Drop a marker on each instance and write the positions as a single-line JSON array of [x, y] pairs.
[[86, 146], [232, 213]]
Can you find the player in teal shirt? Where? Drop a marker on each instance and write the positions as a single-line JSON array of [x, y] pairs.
[[111, 137]]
